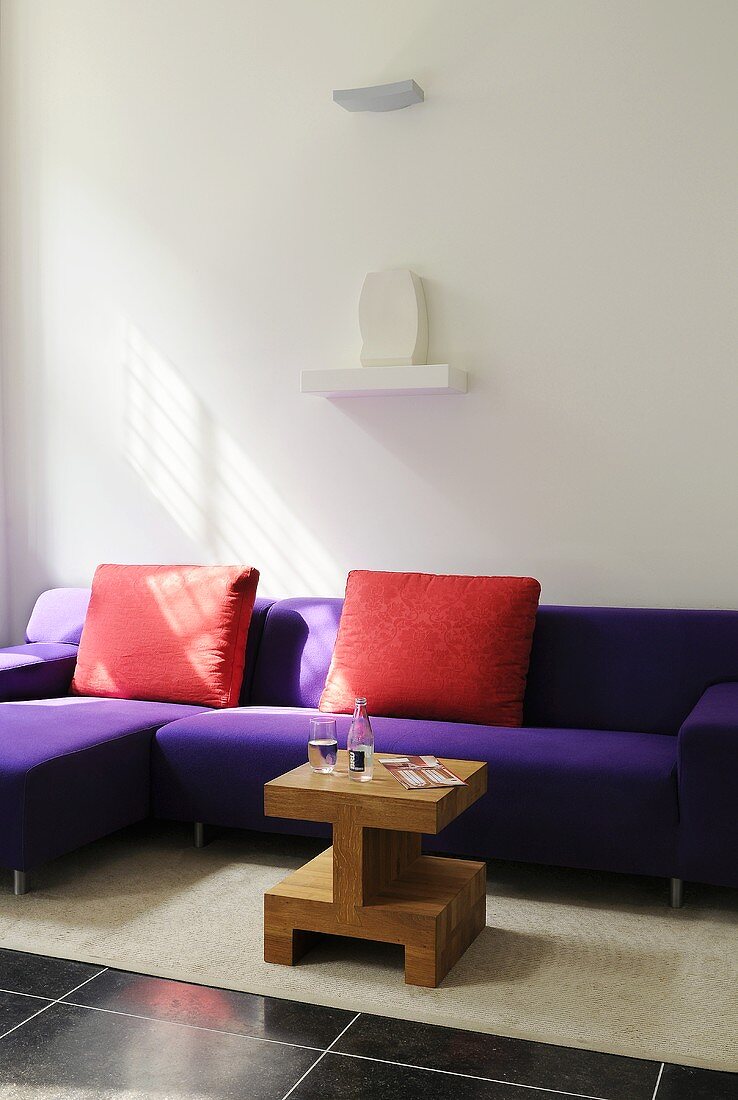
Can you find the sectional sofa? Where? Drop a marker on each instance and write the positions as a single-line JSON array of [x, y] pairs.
[[627, 760]]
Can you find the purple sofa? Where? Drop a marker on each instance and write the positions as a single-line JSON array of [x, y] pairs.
[[627, 761]]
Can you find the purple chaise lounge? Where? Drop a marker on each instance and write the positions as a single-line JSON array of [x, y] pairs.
[[72, 769], [628, 759]]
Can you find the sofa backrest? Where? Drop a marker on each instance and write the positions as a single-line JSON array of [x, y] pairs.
[[253, 642], [626, 668], [295, 652], [58, 616], [618, 668], [591, 667]]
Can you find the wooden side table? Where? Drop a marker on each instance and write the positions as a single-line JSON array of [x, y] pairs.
[[373, 883]]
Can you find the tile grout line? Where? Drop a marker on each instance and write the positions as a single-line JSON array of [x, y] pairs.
[[52, 1003], [467, 1076], [33, 996], [322, 1056], [658, 1082], [192, 1027]]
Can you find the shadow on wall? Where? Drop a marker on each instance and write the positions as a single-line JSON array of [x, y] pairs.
[[213, 491]]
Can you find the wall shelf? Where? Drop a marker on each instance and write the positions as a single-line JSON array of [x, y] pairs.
[[433, 378]]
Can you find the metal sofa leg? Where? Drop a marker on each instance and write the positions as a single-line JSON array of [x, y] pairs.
[[676, 893], [199, 834], [20, 883]]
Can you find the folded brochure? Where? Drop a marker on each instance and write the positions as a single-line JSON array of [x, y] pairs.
[[417, 773]]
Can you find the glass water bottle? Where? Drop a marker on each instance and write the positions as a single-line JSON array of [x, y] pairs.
[[360, 744]]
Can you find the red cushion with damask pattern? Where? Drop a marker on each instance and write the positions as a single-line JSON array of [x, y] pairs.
[[424, 646]]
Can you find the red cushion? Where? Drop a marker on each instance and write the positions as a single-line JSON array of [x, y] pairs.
[[175, 633], [423, 646]]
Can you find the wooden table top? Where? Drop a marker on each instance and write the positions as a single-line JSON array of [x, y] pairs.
[[381, 803]]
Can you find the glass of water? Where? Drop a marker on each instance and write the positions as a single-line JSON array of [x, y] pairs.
[[322, 746]]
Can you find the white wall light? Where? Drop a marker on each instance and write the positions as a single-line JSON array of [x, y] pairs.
[[380, 97]]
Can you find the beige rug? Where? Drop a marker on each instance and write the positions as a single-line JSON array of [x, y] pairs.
[[586, 960]]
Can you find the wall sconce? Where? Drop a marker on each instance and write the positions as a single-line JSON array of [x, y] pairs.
[[380, 97]]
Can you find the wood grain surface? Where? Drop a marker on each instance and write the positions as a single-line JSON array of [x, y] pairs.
[[373, 883]]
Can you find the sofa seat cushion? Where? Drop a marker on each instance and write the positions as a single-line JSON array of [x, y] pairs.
[[576, 797], [581, 798], [216, 771], [32, 652], [37, 669], [73, 769], [15, 656]]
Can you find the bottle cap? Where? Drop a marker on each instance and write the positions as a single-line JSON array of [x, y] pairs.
[[360, 701]]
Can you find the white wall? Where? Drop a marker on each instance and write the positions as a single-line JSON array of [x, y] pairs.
[[187, 222], [6, 631]]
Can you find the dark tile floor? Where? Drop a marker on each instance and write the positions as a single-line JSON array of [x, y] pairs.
[[72, 1030]]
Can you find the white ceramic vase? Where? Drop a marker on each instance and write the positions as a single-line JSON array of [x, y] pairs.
[[393, 319]]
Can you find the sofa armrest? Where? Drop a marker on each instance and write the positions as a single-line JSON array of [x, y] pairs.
[[37, 670], [707, 755]]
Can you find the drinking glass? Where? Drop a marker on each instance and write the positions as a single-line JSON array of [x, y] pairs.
[[322, 746]]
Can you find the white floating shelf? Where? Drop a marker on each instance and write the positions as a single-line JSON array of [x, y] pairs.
[[434, 378]]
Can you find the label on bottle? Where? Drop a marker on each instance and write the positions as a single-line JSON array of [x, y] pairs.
[[356, 760]]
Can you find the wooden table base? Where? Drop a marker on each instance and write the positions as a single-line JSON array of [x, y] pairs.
[[374, 884]]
